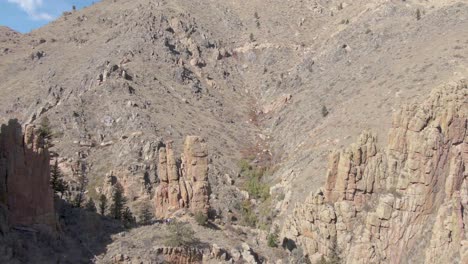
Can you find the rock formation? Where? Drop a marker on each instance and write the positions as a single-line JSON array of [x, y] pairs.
[[400, 205], [24, 176], [187, 186]]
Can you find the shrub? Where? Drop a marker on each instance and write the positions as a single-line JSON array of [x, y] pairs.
[[248, 216], [257, 189], [44, 128], [418, 14], [244, 165], [180, 235], [253, 185], [324, 111], [298, 257], [273, 238], [201, 218]]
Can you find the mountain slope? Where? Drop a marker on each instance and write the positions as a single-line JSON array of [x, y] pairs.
[[279, 84]]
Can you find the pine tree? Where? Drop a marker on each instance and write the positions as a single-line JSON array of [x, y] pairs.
[[56, 180], [118, 202], [127, 218], [102, 204], [146, 216], [82, 183], [90, 206]]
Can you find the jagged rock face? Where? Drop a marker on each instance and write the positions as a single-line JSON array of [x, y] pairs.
[[402, 204], [180, 255], [177, 255], [187, 187], [24, 176]]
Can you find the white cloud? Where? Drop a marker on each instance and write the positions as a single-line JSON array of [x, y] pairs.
[[31, 8]]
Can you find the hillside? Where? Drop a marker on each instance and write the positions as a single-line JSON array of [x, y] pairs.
[[277, 85]]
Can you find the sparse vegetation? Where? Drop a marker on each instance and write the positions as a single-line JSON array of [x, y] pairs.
[[253, 176], [248, 217], [273, 238], [324, 111], [334, 257], [180, 235], [45, 131], [251, 37], [201, 218], [257, 19], [418, 14], [298, 257]]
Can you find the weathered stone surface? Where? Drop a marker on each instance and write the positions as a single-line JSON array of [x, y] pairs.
[[24, 176], [408, 199], [187, 186]]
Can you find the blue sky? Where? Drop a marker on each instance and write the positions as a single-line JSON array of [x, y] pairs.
[[26, 15]]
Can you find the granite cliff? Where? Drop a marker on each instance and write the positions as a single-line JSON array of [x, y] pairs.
[[401, 204], [24, 176]]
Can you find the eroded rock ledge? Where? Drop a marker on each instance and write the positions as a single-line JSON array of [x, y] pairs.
[[406, 203], [184, 186]]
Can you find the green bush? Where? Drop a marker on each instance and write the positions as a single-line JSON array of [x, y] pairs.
[[248, 217], [253, 184], [244, 165], [180, 235], [257, 189], [201, 218], [273, 238]]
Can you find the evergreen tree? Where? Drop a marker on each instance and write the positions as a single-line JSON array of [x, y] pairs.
[[127, 218], [146, 216], [90, 206], [82, 183], [102, 204], [118, 202], [56, 180]]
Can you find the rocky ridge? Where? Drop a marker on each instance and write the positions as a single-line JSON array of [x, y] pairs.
[[401, 204]]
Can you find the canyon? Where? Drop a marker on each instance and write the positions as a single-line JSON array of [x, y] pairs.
[[238, 119]]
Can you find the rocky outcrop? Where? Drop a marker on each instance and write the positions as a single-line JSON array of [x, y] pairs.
[[399, 205], [177, 255], [24, 176], [184, 186]]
